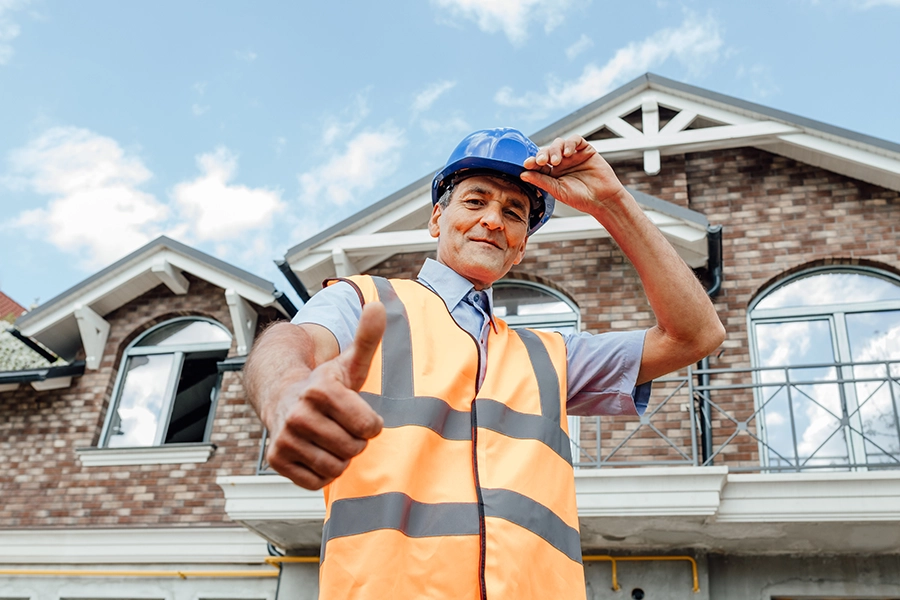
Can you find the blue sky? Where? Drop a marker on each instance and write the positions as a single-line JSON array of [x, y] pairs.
[[243, 128]]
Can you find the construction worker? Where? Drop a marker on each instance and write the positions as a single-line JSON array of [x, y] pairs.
[[439, 434]]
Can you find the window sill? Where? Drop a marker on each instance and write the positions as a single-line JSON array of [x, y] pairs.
[[172, 454]]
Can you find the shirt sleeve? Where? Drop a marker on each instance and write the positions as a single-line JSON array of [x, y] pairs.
[[337, 309], [601, 374]]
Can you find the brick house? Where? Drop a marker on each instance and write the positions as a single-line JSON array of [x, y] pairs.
[[769, 470]]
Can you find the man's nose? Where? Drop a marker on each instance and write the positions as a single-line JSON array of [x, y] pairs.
[[492, 217]]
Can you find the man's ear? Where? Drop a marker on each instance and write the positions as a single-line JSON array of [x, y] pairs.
[[433, 228], [521, 253]]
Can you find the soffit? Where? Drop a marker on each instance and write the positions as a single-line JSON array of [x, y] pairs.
[[162, 261]]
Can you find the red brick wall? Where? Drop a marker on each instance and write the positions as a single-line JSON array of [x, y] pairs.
[[779, 216], [43, 482]]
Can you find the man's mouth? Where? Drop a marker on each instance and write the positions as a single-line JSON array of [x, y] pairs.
[[487, 241]]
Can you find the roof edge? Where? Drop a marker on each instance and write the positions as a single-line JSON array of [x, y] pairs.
[[159, 243]]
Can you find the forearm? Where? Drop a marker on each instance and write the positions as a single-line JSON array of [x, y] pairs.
[[686, 319]]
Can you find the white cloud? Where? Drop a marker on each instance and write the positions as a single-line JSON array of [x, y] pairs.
[[583, 43], [9, 29], [429, 95], [199, 109], [216, 210], [366, 160], [245, 55], [449, 125], [338, 128], [512, 17], [761, 80], [694, 43], [97, 208]]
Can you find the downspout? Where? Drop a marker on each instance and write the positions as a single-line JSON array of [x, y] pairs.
[[714, 268], [292, 279], [285, 303]]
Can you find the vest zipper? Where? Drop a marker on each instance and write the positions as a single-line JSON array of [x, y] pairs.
[[481, 526]]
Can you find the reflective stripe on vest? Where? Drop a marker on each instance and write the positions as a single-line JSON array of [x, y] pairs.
[[415, 479]]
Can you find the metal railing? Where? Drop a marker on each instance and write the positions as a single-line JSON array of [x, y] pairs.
[[833, 416]]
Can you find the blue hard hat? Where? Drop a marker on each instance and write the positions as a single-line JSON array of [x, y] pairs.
[[501, 151]]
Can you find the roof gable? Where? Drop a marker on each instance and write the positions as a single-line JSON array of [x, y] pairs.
[[69, 321], [647, 118]]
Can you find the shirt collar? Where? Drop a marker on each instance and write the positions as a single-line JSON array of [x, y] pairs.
[[451, 286]]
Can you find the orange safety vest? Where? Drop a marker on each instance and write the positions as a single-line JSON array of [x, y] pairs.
[[466, 493]]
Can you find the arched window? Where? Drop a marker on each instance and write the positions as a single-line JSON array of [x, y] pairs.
[[828, 340], [536, 306], [167, 385]]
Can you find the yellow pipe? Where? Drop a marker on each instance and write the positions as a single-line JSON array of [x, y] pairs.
[[181, 574], [275, 561], [644, 558]]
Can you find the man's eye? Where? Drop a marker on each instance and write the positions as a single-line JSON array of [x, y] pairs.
[[514, 215]]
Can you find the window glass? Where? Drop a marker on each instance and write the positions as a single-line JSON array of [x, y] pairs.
[[167, 388], [136, 421], [516, 299], [875, 342], [831, 288], [830, 363]]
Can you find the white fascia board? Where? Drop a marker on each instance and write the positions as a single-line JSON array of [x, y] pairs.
[[87, 297], [878, 161], [100, 289], [270, 497], [657, 491], [811, 497], [188, 545]]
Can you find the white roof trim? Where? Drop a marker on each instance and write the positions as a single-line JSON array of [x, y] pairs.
[[54, 326]]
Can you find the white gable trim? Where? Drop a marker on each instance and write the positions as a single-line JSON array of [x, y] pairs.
[[56, 327]]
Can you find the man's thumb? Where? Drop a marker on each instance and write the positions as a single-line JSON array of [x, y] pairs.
[[358, 357]]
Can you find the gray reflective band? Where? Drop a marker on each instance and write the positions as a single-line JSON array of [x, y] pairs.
[[548, 380], [396, 349], [498, 417], [395, 510], [424, 411], [535, 517]]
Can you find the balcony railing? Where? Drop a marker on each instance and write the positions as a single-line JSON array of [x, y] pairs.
[[831, 416]]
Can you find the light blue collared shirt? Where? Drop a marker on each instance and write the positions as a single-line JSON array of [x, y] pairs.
[[601, 369]]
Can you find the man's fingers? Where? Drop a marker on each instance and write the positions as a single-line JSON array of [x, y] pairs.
[[357, 359]]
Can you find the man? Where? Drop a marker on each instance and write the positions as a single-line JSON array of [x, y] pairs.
[[443, 448]]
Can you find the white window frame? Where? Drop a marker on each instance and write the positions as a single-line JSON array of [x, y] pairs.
[[178, 352], [835, 315]]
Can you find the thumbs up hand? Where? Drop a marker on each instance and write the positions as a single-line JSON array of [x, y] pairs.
[[321, 421]]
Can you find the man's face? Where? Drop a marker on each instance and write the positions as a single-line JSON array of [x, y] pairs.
[[482, 231]]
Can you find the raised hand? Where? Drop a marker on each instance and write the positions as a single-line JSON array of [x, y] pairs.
[[321, 421], [574, 173]]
